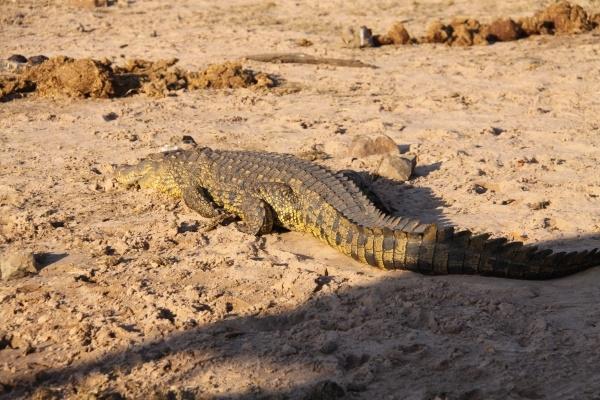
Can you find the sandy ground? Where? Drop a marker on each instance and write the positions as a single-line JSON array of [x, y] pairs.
[[132, 301]]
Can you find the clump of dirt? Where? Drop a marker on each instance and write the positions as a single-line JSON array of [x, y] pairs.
[[12, 87], [561, 17], [397, 34], [228, 75], [153, 78], [66, 77], [503, 30], [469, 32]]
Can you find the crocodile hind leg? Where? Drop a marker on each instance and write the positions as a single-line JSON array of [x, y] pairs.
[[257, 216], [199, 200]]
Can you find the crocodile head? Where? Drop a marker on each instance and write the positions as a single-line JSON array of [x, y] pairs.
[[151, 173]]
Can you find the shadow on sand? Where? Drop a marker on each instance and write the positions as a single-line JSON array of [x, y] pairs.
[[404, 336], [400, 336]]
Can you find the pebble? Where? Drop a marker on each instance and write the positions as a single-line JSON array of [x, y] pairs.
[[17, 264], [35, 60], [18, 58], [111, 116]]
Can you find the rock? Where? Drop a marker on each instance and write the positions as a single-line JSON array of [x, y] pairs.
[[111, 116], [479, 189], [362, 37], [35, 60], [363, 146], [397, 167], [17, 264], [17, 58]]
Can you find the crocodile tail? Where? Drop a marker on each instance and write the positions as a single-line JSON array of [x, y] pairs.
[[434, 250], [463, 252]]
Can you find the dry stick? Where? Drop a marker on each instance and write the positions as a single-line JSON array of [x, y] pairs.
[[301, 58]]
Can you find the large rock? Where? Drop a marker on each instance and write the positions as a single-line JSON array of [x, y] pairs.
[[397, 167], [17, 264]]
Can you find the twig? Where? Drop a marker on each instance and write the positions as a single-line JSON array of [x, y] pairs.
[[301, 58]]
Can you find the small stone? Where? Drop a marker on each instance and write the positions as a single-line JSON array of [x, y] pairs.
[[397, 168], [366, 37], [35, 60], [111, 116], [17, 264], [18, 58], [479, 189], [363, 146]]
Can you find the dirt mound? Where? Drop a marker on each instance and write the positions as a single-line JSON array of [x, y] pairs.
[[561, 17], [154, 78], [79, 78], [397, 34], [227, 75], [64, 76]]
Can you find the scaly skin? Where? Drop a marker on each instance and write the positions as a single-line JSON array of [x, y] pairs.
[[267, 189]]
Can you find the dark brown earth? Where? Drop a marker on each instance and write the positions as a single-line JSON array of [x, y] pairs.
[[83, 78]]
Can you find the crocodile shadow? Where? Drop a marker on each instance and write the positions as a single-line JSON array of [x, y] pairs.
[[418, 335]]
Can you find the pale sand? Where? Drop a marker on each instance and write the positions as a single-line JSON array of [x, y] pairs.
[[226, 315]]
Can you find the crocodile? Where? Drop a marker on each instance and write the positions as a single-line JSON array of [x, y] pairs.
[[266, 190]]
